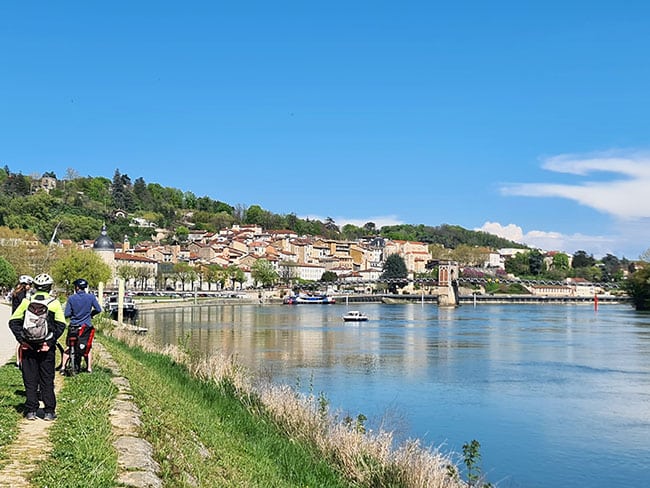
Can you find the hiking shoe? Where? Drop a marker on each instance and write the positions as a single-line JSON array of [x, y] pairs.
[[49, 416], [30, 415]]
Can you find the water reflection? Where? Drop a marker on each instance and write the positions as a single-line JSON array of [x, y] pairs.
[[557, 395]]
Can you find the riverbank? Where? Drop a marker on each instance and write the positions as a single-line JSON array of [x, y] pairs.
[[208, 423]]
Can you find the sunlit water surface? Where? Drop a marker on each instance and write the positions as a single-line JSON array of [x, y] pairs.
[[557, 395]]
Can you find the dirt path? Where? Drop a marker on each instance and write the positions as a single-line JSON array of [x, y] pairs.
[[30, 447]]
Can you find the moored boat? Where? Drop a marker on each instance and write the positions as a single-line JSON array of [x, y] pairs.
[[129, 308], [304, 298]]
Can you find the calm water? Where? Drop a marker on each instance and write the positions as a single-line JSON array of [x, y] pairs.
[[557, 395]]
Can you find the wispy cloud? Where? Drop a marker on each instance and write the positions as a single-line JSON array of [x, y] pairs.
[[552, 241], [624, 195]]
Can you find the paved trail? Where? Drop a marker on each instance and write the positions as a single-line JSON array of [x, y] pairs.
[[7, 340], [24, 456]]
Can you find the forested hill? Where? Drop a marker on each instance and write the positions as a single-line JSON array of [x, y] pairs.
[[449, 236], [78, 207]]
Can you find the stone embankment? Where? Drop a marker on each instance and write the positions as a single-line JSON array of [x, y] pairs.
[[136, 465]]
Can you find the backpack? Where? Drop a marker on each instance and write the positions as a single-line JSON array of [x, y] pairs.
[[36, 328]]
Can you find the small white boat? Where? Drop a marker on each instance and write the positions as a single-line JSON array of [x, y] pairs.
[[355, 316]]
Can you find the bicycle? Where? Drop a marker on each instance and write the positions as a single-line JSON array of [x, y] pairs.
[[72, 365]]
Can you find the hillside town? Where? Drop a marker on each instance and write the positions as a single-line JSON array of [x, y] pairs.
[[356, 264]]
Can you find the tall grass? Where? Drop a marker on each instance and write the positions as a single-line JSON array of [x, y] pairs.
[[203, 435], [365, 458]]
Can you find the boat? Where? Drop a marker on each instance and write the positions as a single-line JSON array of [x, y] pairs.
[[129, 308], [304, 298], [355, 316]]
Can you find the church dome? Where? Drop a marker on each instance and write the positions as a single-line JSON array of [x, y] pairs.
[[103, 242]]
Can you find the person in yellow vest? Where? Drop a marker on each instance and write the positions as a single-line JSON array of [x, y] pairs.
[[43, 312]]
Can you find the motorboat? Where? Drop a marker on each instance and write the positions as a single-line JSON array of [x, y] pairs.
[[355, 316]]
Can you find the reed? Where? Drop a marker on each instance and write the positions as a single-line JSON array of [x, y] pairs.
[[366, 458]]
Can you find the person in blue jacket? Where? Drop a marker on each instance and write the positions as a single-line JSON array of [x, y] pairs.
[[80, 308]]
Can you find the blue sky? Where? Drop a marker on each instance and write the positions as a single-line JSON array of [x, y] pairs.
[[525, 119]]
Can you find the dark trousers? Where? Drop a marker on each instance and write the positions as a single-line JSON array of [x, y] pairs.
[[38, 371]]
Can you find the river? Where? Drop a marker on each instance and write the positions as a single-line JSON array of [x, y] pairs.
[[557, 395]]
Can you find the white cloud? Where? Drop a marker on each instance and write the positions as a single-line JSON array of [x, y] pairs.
[[552, 241], [624, 195]]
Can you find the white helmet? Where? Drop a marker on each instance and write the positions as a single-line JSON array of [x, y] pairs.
[[25, 280], [43, 280]]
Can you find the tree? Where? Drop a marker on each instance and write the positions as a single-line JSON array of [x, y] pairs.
[[518, 265], [118, 191], [262, 272], [8, 275], [76, 263], [582, 260], [611, 268], [638, 287], [182, 233], [238, 277], [184, 272], [71, 174], [395, 271], [535, 262], [215, 274], [126, 272], [329, 277], [560, 262], [286, 273], [142, 275], [254, 215]]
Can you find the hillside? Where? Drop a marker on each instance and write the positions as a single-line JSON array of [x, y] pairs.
[[77, 207]]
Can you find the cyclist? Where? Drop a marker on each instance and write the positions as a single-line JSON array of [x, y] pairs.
[[18, 294], [80, 309], [20, 291], [38, 358]]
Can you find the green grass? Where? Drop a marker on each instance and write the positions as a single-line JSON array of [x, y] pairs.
[[12, 399], [83, 454], [204, 436]]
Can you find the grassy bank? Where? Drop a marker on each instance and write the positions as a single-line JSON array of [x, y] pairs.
[[213, 424], [203, 435], [205, 415]]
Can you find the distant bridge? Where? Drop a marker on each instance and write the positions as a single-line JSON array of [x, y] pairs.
[[470, 281]]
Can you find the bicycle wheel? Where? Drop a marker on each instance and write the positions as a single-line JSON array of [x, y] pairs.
[[71, 363]]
